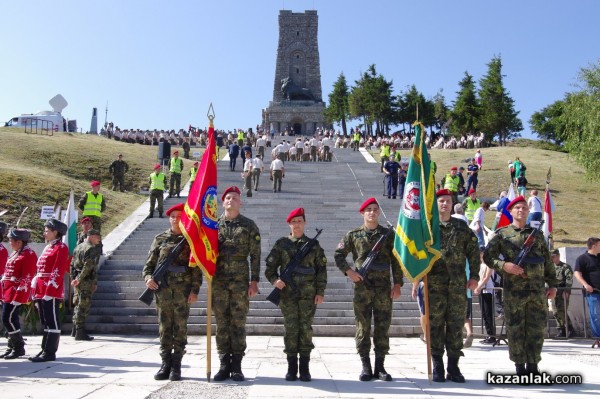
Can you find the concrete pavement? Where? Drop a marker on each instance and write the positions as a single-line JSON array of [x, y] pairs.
[[123, 367]]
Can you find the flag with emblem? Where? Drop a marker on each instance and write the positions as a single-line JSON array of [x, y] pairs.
[[417, 241], [199, 218], [70, 219]]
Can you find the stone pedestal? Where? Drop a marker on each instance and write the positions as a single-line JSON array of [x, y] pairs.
[[299, 117]]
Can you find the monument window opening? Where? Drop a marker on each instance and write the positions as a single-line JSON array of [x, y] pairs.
[[297, 33], [297, 70]]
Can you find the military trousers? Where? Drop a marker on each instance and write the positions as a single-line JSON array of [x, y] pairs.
[[156, 196], [248, 183], [372, 303], [255, 178], [447, 307], [118, 182], [173, 312], [175, 184], [82, 299], [562, 305], [277, 178], [298, 315], [230, 305], [525, 314]]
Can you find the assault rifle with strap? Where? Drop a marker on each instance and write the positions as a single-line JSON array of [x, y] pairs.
[[160, 273], [366, 265], [526, 248], [286, 276]]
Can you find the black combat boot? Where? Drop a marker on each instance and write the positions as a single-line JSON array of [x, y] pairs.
[[367, 372], [380, 372], [225, 369], [44, 338], [165, 367], [304, 370], [454, 373], [438, 368], [9, 349], [521, 371], [292, 372], [236, 368], [175, 374], [150, 215], [82, 335], [49, 349], [532, 368], [18, 345]]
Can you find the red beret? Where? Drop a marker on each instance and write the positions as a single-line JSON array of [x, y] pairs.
[[471, 191], [232, 189], [175, 152], [195, 163], [444, 191], [512, 203], [454, 168], [178, 207], [368, 202], [157, 166], [294, 213], [86, 219], [94, 183]]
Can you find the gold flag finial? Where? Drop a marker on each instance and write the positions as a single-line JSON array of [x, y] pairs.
[[211, 113]]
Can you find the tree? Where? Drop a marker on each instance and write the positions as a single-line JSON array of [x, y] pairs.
[[338, 109], [465, 113], [582, 121], [409, 102], [498, 116], [549, 123], [440, 110]]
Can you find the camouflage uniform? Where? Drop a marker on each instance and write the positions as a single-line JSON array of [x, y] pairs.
[[298, 298], [118, 168], [238, 239], [525, 304], [83, 268], [446, 285], [373, 297], [564, 276], [172, 300]]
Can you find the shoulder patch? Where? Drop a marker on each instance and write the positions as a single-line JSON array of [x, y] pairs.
[[257, 237]]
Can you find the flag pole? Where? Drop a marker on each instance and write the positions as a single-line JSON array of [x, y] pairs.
[[208, 329], [427, 329]]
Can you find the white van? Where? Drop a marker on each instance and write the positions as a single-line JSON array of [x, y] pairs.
[[44, 120]]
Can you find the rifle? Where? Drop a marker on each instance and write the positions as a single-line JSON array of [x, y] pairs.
[[286, 275], [527, 245], [366, 265], [160, 273]]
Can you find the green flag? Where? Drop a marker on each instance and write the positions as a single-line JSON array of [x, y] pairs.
[[417, 242]]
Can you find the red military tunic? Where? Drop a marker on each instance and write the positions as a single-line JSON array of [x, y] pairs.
[[16, 282], [51, 268], [3, 259]]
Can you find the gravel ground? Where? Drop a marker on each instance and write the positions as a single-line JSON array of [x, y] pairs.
[[200, 390]]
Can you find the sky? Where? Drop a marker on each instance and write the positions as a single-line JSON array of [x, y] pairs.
[[159, 64]]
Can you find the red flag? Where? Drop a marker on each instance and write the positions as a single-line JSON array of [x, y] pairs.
[[547, 227], [199, 219]]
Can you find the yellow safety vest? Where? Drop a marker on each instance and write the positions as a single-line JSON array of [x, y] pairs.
[[385, 151], [157, 181], [176, 165], [471, 208], [193, 173], [356, 137], [93, 205], [451, 183], [240, 135]]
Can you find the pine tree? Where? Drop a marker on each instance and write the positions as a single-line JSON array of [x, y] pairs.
[[338, 110], [465, 113]]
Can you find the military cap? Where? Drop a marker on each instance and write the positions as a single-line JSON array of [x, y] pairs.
[[19, 234], [94, 183], [56, 225], [196, 163], [443, 191], [454, 168], [3, 228], [175, 152], [157, 166], [471, 191], [392, 155], [93, 232], [177, 207], [368, 202], [85, 219], [296, 212], [512, 203], [232, 189], [556, 252]]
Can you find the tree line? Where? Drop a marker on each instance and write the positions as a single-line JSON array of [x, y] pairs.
[[488, 109]]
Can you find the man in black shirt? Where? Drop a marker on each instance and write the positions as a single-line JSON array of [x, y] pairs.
[[587, 266]]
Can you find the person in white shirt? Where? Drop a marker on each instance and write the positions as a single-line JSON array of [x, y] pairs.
[[286, 150], [261, 143], [257, 169], [247, 174], [326, 148], [299, 149], [486, 301], [535, 209], [277, 172], [478, 224], [292, 152], [314, 144]]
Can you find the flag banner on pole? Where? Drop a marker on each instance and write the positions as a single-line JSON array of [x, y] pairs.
[[548, 208], [70, 219], [511, 193], [417, 241], [199, 218]]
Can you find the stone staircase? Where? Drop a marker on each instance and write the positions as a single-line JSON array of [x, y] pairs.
[[330, 193]]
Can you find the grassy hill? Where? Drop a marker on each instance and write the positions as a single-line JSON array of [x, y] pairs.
[[38, 170], [577, 215]]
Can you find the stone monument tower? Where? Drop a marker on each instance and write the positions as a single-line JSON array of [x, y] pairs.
[[297, 98]]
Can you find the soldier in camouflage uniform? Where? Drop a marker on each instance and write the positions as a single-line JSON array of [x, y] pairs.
[[86, 225], [83, 272], [117, 169], [564, 276], [299, 300], [373, 297], [525, 296], [234, 283], [446, 286], [172, 301]]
